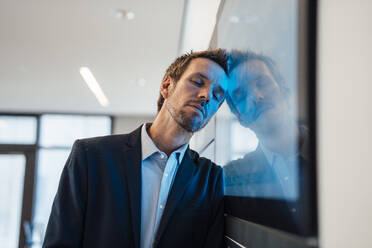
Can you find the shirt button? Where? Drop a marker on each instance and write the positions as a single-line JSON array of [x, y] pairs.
[[166, 174], [162, 155], [161, 206]]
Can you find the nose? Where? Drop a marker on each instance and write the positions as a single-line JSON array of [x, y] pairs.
[[205, 95], [258, 95]]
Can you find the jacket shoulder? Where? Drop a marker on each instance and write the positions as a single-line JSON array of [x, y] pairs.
[[205, 163], [110, 141], [103, 140]]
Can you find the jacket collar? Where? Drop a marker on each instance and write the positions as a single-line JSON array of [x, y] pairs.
[[132, 167]]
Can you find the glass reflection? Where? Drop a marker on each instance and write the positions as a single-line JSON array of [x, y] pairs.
[[262, 101]]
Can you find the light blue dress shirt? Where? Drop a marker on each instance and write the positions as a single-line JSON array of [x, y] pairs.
[[158, 172]]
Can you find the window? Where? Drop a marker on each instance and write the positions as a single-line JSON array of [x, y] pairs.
[[63, 130], [18, 129], [52, 137], [12, 172]]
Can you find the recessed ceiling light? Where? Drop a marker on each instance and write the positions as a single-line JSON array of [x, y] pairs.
[[130, 15], [142, 82], [119, 14], [234, 19], [94, 86], [124, 14]]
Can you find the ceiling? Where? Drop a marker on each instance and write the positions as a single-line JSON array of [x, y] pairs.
[[43, 43]]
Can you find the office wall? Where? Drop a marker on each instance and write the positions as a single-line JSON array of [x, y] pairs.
[[126, 124], [344, 123]]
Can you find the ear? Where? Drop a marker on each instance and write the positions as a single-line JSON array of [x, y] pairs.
[[166, 87]]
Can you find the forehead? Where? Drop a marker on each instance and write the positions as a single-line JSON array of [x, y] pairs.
[[249, 71], [253, 68], [206, 67]]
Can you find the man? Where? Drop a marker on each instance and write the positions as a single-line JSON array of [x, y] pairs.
[[147, 188], [262, 102]]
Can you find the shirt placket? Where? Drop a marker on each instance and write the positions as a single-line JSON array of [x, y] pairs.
[[165, 186]]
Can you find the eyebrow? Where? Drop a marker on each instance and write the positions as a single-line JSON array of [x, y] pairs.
[[200, 75], [259, 77]]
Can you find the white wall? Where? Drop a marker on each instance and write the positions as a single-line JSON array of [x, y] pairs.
[[198, 24], [126, 124], [345, 122]]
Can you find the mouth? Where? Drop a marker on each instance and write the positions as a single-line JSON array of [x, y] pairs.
[[197, 107], [262, 109]]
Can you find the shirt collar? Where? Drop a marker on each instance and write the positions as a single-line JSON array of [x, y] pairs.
[[181, 151], [270, 155], [149, 147]]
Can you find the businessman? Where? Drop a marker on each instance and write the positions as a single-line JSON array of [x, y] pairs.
[[148, 188]]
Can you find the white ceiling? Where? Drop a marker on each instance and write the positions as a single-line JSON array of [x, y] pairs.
[[43, 43]]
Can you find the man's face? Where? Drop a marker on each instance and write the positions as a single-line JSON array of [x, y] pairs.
[[197, 95], [254, 96]]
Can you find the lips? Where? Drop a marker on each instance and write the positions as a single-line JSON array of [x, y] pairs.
[[198, 107], [261, 109]]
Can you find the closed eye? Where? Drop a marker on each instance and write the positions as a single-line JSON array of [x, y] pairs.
[[240, 94], [198, 83]]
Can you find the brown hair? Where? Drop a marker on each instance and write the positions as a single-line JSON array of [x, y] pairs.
[[179, 66]]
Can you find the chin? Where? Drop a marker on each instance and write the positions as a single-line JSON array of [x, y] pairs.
[[190, 128], [245, 123], [191, 123], [196, 126], [246, 120]]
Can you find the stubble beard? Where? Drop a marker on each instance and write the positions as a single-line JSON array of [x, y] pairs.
[[189, 123]]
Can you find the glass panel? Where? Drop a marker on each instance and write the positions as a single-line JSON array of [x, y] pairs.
[[208, 151], [262, 137], [18, 129], [50, 165], [202, 138], [243, 140], [12, 173], [63, 130], [265, 131]]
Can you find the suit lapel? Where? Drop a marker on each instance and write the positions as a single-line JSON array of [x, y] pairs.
[[132, 166], [183, 177]]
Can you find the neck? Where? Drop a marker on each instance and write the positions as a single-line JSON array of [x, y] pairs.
[[167, 134]]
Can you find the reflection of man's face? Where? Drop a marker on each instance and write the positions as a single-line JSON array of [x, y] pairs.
[[254, 94], [198, 94]]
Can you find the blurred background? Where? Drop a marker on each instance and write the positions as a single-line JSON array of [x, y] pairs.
[[77, 69]]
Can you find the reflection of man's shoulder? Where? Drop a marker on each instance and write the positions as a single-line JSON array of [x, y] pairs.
[[251, 163], [249, 176]]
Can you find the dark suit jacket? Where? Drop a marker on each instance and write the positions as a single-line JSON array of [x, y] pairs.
[[98, 199]]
